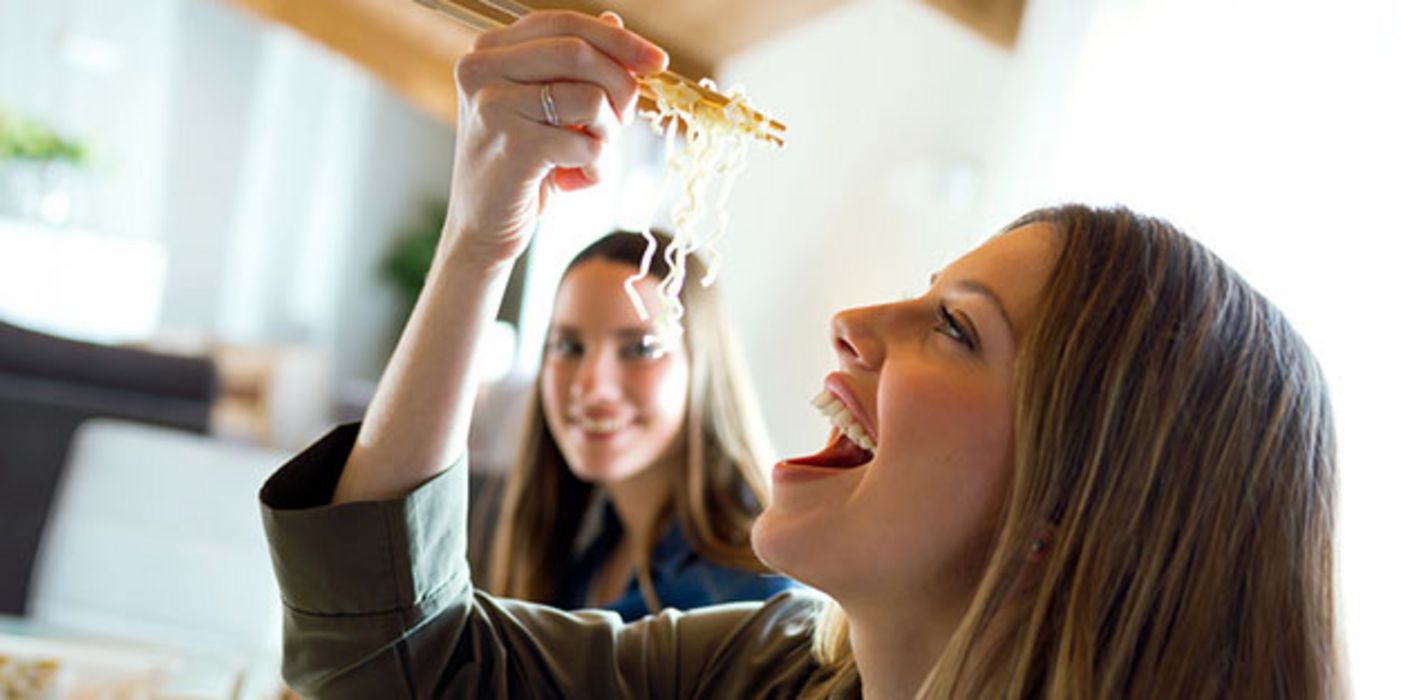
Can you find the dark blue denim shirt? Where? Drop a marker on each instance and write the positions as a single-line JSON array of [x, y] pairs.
[[681, 577]]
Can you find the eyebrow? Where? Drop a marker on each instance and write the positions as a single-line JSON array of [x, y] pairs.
[[624, 332], [976, 287]]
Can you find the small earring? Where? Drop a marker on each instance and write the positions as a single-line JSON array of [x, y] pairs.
[[1037, 550]]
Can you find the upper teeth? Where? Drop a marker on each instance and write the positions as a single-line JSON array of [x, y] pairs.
[[836, 412], [601, 425]]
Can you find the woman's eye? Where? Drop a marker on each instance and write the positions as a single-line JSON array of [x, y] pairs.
[[567, 347], [646, 348], [949, 325]]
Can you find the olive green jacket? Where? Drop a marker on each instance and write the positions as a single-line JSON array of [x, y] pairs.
[[379, 603]]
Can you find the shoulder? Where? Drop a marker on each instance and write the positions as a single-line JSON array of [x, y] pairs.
[[745, 649], [786, 618], [764, 652], [774, 628]]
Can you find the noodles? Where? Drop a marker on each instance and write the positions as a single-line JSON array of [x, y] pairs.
[[714, 151]]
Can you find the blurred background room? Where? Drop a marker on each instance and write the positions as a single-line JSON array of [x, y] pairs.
[[214, 215]]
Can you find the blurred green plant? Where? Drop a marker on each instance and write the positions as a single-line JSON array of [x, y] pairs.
[[26, 139], [405, 265]]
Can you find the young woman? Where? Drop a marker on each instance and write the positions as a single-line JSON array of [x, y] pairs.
[[1100, 466], [640, 474]]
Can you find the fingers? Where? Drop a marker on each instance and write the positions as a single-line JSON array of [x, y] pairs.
[[560, 150], [576, 104], [606, 35], [549, 46], [571, 179], [554, 59], [569, 149], [506, 136]]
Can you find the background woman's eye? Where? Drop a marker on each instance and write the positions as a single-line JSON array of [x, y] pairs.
[[567, 347], [647, 348]]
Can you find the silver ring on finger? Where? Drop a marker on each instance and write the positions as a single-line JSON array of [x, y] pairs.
[[547, 103]]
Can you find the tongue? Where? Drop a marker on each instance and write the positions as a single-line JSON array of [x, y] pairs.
[[841, 454]]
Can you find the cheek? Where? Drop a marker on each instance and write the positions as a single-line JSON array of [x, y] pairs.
[[950, 460], [953, 420], [554, 390], [660, 389]]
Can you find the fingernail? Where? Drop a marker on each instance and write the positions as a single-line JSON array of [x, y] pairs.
[[611, 16]]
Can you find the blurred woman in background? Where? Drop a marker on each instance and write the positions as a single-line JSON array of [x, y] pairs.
[[643, 464]]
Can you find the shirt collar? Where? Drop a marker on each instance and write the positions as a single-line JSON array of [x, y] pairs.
[[600, 529]]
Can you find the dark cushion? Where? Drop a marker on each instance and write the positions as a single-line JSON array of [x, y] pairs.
[[25, 353]]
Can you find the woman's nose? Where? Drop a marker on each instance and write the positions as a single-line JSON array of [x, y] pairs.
[[856, 339], [597, 378]]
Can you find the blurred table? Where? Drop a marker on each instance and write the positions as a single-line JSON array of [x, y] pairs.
[[91, 667]]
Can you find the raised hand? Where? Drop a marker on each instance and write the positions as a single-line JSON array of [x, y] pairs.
[[538, 104]]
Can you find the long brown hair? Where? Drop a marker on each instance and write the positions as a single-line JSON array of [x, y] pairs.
[[1174, 434], [715, 496]]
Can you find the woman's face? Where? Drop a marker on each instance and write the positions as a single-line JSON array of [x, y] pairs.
[[930, 380], [614, 396]]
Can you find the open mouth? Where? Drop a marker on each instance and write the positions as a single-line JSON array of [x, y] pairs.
[[842, 453], [849, 445]]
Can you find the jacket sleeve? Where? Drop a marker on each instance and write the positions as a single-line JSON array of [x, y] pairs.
[[379, 603]]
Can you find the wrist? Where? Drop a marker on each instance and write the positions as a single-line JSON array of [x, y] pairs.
[[455, 279], [459, 259]]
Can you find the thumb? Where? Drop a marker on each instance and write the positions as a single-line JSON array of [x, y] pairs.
[[571, 179]]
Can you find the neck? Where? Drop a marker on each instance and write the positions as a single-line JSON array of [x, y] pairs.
[[895, 646], [639, 501]]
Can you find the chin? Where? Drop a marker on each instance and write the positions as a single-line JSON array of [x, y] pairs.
[[777, 544], [597, 471], [814, 548]]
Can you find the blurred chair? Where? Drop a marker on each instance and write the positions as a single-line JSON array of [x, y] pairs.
[[48, 386], [156, 534]]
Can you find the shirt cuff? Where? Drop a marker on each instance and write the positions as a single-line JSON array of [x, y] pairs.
[[361, 558]]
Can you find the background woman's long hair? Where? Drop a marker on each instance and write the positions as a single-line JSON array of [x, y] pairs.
[[715, 496], [1174, 433]]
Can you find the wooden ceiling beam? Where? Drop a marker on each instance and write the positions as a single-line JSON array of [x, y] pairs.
[[412, 49], [686, 58], [999, 21]]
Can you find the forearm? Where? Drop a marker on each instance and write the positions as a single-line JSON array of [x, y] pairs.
[[417, 422]]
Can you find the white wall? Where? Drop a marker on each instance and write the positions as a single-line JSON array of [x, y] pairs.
[[211, 82], [408, 158]]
